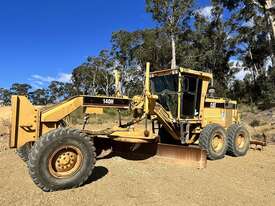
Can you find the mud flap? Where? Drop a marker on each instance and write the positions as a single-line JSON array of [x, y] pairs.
[[25, 122]]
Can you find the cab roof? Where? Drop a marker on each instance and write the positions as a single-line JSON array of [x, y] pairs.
[[183, 71]]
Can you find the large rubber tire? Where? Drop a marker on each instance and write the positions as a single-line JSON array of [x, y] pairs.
[[233, 132], [47, 145], [207, 135], [23, 152]]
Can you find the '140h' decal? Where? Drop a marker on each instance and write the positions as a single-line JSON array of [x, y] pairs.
[[108, 101], [213, 105]]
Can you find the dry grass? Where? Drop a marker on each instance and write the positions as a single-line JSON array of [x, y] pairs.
[[5, 116], [5, 125], [259, 122]]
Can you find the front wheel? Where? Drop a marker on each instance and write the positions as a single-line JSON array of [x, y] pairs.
[[238, 140], [62, 159], [23, 151]]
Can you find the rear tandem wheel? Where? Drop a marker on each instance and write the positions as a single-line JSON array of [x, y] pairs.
[[213, 140], [238, 140]]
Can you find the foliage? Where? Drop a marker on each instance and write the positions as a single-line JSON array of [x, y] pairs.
[[253, 39], [173, 17], [20, 89], [234, 30], [57, 91], [40, 97], [5, 96], [95, 75], [141, 46]]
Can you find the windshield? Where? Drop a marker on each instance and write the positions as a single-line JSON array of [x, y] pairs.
[[166, 87]]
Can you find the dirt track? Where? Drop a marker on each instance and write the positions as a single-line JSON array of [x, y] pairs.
[[117, 181]]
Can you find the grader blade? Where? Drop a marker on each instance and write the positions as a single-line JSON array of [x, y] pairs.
[[188, 155]]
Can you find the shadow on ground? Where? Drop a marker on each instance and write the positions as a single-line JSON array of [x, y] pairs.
[[107, 149], [98, 173]]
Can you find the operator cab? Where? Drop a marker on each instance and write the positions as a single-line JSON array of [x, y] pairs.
[[180, 91]]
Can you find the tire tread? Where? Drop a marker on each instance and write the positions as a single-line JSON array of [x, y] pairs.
[[231, 132], [204, 140], [47, 139]]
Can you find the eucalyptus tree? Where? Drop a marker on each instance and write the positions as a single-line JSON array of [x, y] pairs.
[[173, 16]]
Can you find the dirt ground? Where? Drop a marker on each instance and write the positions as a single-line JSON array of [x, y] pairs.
[[155, 181], [247, 180]]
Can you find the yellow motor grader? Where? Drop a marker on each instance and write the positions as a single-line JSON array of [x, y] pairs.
[[186, 121]]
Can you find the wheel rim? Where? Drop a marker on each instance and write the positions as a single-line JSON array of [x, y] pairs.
[[65, 161], [217, 142], [240, 141]]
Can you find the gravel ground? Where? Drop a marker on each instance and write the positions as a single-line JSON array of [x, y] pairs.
[[249, 180], [232, 181]]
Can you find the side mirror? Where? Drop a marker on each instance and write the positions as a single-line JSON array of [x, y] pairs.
[[211, 92]]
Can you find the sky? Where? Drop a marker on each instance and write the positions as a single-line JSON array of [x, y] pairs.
[[41, 41]]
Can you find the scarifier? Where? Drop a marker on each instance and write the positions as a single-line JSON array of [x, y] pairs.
[[187, 124]]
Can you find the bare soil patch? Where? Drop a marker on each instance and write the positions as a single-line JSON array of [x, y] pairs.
[[155, 181], [241, 181]]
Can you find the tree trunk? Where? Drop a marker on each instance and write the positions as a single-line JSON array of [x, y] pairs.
[[269, 6], [270, 18], [107, 86], [173, 63], [255, 69]]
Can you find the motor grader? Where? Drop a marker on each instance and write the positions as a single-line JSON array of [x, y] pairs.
[[186, 122]]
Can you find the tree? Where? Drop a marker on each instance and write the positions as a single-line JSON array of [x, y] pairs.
[[5, 96], [104, 64], [83, 79], [95, 75], [133, 49], [171, 15], [141, 46], [260, 13], [40, 97], [20, 89], [56, 89], [69, 90], [253, 39], [153, 47], [132, 81], [207, 46], [123, 43]]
